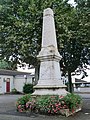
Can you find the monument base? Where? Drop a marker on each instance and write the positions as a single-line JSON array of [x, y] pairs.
[[52, 90]]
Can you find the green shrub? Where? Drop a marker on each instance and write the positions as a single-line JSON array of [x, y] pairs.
[[28, 88], [14, 91]]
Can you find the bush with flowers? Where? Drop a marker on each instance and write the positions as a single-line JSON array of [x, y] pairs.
[[54, 104], [50, 104], [21, 102]]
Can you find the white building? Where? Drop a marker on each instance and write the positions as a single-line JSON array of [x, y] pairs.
[[14, 79], [80, 83]]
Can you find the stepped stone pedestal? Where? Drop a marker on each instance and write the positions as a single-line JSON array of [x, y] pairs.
[[49, 82]]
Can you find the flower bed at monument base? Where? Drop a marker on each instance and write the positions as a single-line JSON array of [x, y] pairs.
[[50, 105], [67, 112]]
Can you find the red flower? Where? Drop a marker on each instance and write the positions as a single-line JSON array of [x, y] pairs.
[[55, 111], [58, 108], [48, 111], [72, 110], [20, 110], [19, 106], [61, 97]]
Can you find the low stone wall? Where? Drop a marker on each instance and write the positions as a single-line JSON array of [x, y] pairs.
[[82, 89]]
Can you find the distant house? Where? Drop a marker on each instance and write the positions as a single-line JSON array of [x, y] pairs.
[[14, 79], [81, 85]]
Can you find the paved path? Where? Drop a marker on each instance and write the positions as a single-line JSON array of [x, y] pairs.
[[7, 103], [8, 110]]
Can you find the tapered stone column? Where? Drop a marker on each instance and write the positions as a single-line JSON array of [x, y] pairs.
[[50, 77]]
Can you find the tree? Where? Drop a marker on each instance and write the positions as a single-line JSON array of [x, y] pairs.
[[83, 14], [21, 27], [71, 48], [75, 49], [4, 65], [18, 31]]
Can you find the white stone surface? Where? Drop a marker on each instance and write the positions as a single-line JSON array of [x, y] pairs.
[[57, 91], [48, 33], [49, 73], [50, 77]]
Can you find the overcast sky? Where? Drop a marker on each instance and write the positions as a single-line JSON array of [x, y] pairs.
[[72, 2]]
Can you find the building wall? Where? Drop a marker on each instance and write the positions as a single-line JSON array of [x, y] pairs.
[[15, 82], [20, 80], [3, 80]]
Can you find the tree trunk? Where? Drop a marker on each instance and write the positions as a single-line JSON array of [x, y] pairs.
[[70, 85]]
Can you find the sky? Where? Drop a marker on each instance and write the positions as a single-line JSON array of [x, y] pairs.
[[72, 2]]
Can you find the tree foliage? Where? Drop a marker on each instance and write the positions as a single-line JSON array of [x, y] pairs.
[[76, 45], [76, 41], [83, 14], [21, 27], [5, 65]]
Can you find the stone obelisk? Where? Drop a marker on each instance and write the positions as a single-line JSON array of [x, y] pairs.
[[49, 82]]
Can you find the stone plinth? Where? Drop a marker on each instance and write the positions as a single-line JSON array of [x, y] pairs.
[[50, 77]]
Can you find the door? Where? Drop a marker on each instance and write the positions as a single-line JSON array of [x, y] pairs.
[[8, 86]]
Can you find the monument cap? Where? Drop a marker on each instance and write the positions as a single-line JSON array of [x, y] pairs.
[[47, 12]]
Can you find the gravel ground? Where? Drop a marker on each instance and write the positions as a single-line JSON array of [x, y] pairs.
[[8, 110]]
